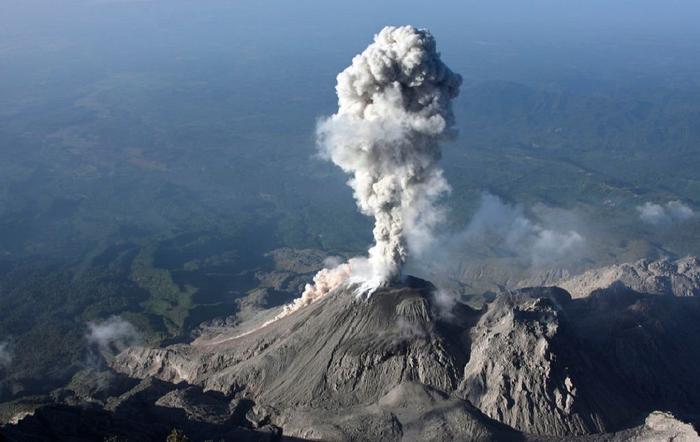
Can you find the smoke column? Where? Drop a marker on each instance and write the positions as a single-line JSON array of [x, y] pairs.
[[394, 106]]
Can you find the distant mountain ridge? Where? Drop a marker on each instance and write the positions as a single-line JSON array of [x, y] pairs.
[[664, 276]]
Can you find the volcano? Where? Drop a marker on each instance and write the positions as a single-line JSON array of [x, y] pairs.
[[341, 368], [400, 366]]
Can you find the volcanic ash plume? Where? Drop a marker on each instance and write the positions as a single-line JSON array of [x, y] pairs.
[[324, 281], [394, 105]]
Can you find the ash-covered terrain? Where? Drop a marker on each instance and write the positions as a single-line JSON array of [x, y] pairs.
[[400, 365], [532, 364]]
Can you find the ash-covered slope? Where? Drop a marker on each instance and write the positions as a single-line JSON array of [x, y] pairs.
[[341, 347], [342, 368], [396, 366]]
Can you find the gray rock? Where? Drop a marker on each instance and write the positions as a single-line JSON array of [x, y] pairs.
[[200, 407], [147, 412], [660, 277]]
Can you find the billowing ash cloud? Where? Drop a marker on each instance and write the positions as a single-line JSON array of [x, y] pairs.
[[394, 106], [112, 335], [507, 225], [672, 211], [324, 281], [501, 229], [6, 354], [393, 109], [334, 274]]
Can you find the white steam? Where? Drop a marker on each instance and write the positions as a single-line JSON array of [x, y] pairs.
[[444, 300], [324, 281], [516, 234], [113, 335], [499, 229], [672, 211], [6, 354], [393, 108], [334, 274]]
